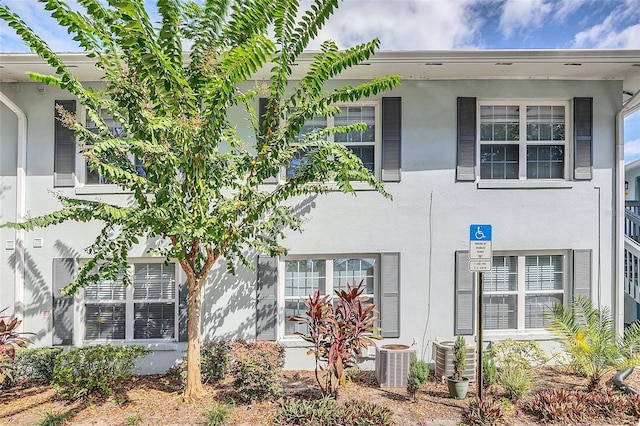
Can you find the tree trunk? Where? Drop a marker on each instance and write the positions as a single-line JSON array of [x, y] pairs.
[[194, 389]]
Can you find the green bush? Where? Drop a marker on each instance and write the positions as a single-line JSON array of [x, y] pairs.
[[516, 382], [35, 364], [418, 374], [489, 371], [522, 354], [484, 412], [84, 372], [215, 358], [327, 411], [219, 414], [255, 369]]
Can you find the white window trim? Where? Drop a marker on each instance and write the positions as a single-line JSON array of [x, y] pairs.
[[523, 143], [377, 145], [293, 340], [80, 302], [521, 331]]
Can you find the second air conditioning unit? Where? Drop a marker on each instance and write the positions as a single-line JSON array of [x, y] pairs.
[[443, 356]]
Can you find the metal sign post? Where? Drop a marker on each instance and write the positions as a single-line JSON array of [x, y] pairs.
[[480, 260]]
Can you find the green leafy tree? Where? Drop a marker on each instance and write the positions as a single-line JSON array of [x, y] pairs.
[[589, 337], [202, 191]]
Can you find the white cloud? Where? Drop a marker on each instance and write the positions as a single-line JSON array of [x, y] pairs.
[[523, 15], [564, 8], [607, 35], [631, 151], [403, 24]]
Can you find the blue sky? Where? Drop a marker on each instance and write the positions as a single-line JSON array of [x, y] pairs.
[[439, 24]]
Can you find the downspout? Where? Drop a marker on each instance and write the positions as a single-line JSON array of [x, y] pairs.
[[629, 107], [21, 207]]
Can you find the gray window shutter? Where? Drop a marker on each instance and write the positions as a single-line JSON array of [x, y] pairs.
[[64, 161], [391, 139], [266, 301], [583, 138], [262, 109], [183, 311], [582, 277], [464, 306], [466, 158], [390, 294], [64, 271]]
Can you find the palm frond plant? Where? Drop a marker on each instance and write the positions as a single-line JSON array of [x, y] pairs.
[[588, 336]]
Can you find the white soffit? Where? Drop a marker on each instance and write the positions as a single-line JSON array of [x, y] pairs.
[[416, 65]]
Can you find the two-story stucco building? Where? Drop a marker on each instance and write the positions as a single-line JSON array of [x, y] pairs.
[[529, 142]]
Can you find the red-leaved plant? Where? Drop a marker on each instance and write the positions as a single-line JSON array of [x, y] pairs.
[[338, 334], [10, 339]]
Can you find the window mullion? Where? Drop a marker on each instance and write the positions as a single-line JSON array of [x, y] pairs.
[[129, 305], [329, 278], [523, 142], [521, 292]]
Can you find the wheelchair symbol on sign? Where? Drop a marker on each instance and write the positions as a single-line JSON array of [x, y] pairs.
[[479, 234]]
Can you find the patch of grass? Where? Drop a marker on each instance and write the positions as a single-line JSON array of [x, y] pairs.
[[218, 415], [133, 420], [54, 419]]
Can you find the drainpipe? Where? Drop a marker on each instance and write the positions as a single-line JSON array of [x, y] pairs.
[[629, 107], [21, 207]]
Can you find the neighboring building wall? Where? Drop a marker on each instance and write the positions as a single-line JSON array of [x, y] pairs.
[[427, 221]]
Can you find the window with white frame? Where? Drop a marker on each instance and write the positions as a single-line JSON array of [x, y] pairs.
[[303, 276], [521, 288], [363, 143], [91, 176], [145, 310], [523, 140]]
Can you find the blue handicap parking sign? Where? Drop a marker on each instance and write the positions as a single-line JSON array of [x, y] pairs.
[[480, 233]]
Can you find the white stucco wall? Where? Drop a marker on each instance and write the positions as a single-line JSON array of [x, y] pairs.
[[427, 221]]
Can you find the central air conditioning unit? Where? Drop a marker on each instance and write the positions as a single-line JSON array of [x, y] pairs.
[[443, 355], [392, 365]]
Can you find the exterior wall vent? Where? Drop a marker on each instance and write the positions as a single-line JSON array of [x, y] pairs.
[[443, 355], [392, 365]]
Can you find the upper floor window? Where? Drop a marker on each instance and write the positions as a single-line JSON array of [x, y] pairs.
[[302, 277], [146, 310], [365, 144], [523, 140], [88, 174]]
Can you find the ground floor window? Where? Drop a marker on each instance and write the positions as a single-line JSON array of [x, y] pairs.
[[303, 276], [145, 310], [521, 288]]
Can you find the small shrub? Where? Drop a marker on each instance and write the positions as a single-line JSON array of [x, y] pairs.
[[219, 414], [35, 364], [489, 372], [83, 372], [214, 361], [558, 406], [10, 339], [54, 419], [301, 412], [516, 382], [364, 413], [327, 411], [519, 354], [459, 357], [418, 374], [255, 369], [485, 412]]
